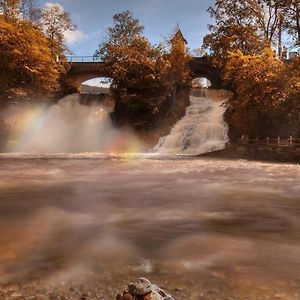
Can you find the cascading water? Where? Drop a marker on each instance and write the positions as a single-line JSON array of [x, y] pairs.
[[67, 127], [201, 130]]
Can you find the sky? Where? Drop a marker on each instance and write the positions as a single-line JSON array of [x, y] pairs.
[[159, 17]]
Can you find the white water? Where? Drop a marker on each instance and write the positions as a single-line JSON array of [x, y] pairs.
[[201, 130], [68, 127]]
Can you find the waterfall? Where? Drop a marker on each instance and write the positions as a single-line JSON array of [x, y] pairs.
[[201, 130], [66, 127]]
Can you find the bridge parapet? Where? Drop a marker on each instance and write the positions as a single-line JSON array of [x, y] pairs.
[[83, 59], [83, 68]]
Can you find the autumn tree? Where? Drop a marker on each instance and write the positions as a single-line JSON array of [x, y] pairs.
[[30, 10], [20, 9], [268, 15], [55, 22], [139, 71], [245, 25], [265, 99], [292, 20], [27, 67], [266, 91], [32, 42], [124, 32], [10, 9], [234, 29]]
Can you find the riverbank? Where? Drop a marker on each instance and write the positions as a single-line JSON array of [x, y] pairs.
[[268, 153], [105, 286]]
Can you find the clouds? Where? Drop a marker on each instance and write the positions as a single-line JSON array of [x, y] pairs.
[[158, 16], [71, 37], [74, 37], [58, 7]]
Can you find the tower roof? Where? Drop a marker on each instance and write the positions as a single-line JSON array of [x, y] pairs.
[[178, 35]]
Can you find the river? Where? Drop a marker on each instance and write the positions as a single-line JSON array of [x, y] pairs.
[[73, 225]]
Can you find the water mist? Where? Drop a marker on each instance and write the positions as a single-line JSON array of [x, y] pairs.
[[69, 127]]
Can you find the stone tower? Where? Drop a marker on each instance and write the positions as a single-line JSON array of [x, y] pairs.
[[178, 42]]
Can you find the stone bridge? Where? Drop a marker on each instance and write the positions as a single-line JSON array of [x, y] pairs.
[[84, 68], [202, 67]]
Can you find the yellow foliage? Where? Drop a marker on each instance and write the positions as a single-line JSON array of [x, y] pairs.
[[257, 79], [141, 79], [179, 60], [26, 62], [266, 98]]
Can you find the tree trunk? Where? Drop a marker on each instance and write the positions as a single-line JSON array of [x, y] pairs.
[[298, 23]]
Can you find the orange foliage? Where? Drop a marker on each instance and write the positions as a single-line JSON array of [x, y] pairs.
[[179, 60], [27, 66], [144, 77], [258, 80], [266, 96], [141, 84]]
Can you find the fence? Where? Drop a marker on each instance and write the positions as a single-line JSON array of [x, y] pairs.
[[279, 142]]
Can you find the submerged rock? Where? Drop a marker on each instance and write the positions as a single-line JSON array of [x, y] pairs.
[[143, 289]]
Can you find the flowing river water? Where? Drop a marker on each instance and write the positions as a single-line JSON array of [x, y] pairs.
[[81, 226], [217, 228]]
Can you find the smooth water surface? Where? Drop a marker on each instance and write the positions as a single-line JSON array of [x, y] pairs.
[[175, 217]]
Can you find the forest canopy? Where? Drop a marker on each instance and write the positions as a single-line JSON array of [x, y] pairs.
[[247, 42], [145, 77], [32, 49], [27, 66]]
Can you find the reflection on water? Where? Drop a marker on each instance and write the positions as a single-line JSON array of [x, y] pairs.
[[64, 216]]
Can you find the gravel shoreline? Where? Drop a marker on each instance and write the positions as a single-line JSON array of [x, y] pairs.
[[216, 285]]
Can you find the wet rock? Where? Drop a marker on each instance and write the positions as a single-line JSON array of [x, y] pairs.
[[140, 288], [84, 297], [126, 296], [143, 289]]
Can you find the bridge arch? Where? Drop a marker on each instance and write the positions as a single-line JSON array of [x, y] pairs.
[[83, 71], [75, 81], [202, 67], [201, 82]]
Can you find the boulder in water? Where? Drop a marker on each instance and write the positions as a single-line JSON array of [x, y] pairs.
[[143, 289]]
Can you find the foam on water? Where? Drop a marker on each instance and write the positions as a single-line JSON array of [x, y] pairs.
[[201, 130]]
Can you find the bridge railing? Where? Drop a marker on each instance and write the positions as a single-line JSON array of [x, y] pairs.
[[83, 59], [90, 58]]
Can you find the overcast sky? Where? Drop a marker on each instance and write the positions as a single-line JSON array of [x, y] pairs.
[[158, 16]]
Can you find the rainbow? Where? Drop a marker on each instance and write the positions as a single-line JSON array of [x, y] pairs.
[[23, 125]]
